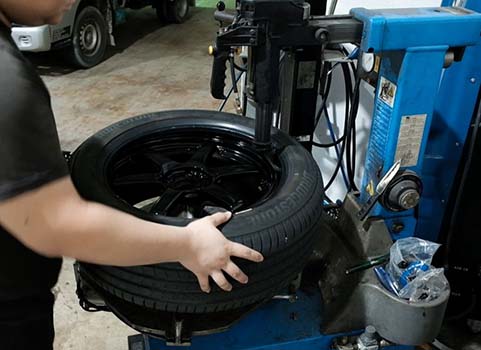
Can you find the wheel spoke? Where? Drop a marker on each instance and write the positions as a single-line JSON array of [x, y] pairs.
[[163, 162], [203, 153], [137, 179], [166, 201], [220, 194], [233, 170]]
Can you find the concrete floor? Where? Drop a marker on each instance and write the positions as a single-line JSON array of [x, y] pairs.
[[152, 68]]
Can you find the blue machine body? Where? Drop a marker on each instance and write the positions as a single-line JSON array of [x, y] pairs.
[[439, 104], [453, 111], [416, 119], [275, 326]]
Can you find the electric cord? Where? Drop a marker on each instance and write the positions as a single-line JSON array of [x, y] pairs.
[[348, 132], [349, 125], [457, 205], [348, 140], [352, 139], [239, 68], [323, 109], [234, 85], [336, 148]]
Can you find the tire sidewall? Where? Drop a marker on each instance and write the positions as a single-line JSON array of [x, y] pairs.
[[171, 11], [78, 56]]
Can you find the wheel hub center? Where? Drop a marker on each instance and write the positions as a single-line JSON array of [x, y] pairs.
[[89, 37], [188, 178]]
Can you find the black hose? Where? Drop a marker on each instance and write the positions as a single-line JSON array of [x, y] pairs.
[[348, 132], [460, 191]]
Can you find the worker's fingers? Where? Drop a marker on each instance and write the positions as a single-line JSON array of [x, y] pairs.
[[219, 218], [221, 281], [203, 282], [236, 273], [241, 251]]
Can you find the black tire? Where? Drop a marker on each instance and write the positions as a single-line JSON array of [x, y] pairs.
[[89, 38], [160, 10], [176, 11], [282, 227]]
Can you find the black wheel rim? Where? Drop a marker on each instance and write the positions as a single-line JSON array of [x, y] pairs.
[[190, 173]]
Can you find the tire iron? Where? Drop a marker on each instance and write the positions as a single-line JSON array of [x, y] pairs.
[[380, 188]]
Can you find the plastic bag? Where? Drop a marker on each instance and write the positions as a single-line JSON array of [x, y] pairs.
[[408, 257], [410, 269], [427, 286]]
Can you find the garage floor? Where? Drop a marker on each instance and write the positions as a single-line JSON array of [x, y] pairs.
[[152, 68]]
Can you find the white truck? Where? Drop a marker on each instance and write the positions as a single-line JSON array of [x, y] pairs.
[[87, 29]]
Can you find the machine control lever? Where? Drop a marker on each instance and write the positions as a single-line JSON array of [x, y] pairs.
[[380, 188]]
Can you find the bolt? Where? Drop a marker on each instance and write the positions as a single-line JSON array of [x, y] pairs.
[[370, 332], [409, 199], [252, 31], [472, 80], [252, 40], [457, 144], [368, 338], [397, 227]]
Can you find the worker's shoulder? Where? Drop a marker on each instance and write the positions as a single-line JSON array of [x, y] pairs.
[[16, 72]]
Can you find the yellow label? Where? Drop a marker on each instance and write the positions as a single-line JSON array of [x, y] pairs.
[[377, 64], [370, 188]]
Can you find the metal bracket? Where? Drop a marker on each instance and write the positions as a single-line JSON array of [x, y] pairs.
[[178, 338], [244, 35]]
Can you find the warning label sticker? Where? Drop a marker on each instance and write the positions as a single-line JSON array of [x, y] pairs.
[[410, 139], [387, 92]]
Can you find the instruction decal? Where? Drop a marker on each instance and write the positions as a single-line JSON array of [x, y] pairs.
[[387, 92], [410, 139]]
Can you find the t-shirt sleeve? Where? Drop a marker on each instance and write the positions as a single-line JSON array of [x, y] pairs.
[[30, 154]]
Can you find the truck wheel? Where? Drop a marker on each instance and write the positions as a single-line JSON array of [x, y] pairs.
[[171, 167], [89, 39], [176, 11], [161, 11]]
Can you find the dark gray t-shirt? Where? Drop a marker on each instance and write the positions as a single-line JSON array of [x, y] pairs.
[[30, 157]]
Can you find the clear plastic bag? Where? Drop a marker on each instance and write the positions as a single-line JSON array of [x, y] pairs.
[[427, 286], [410, 269]]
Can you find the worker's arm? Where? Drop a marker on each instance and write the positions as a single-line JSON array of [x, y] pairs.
[[54, 220]]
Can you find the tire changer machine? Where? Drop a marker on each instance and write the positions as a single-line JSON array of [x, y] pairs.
[[424, 64]]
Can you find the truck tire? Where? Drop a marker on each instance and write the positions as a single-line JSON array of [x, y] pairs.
[[161, 11], [280, 192], [176, 11], [89, 38]]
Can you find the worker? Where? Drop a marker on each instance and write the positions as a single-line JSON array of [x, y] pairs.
[[44, 218]]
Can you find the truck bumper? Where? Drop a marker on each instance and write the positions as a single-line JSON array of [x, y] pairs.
[[33, 39]]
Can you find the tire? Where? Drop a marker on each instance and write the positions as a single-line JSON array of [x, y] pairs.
[[282, 225], [89, 38], [160, 10], [176, 11]]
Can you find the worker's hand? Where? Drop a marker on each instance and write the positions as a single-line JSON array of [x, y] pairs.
[[209, 253]]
